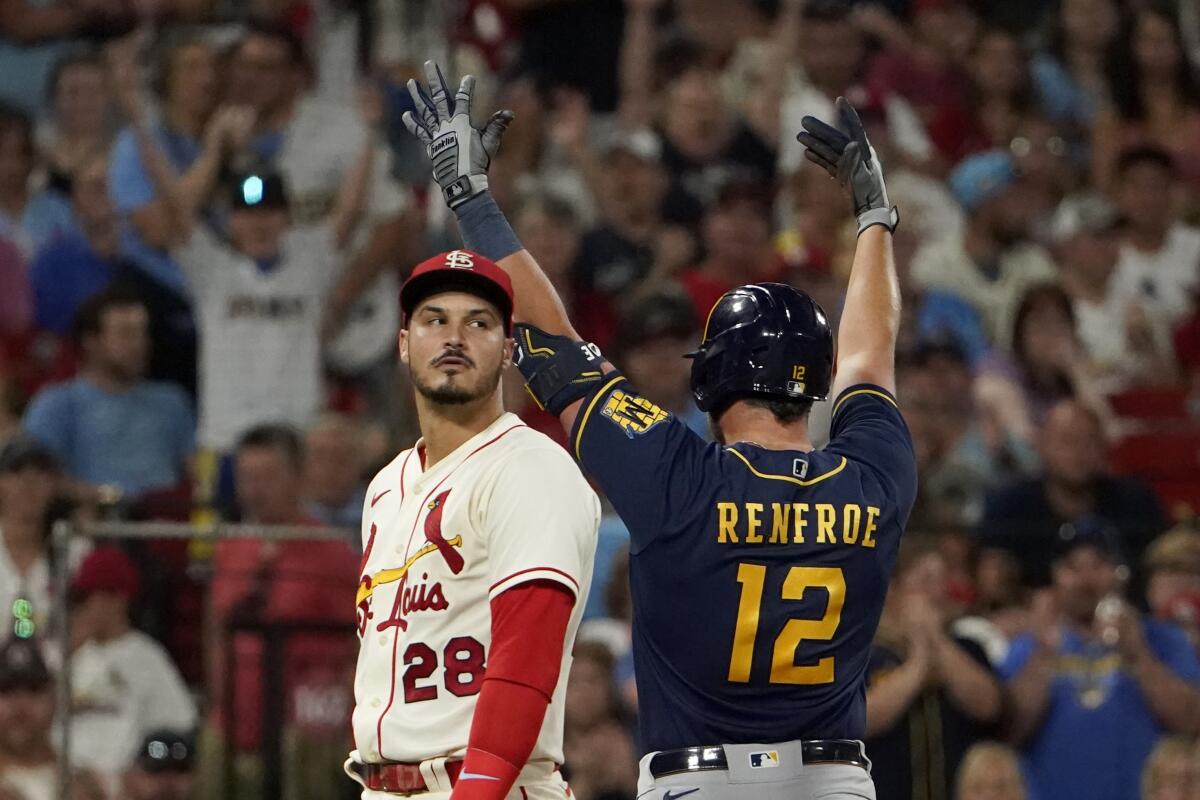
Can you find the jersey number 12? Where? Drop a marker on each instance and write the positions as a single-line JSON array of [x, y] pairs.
[[783, 662]]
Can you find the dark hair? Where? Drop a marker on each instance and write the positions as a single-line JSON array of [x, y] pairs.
[[827, 11], [297, 52], [80, 58], [89, 318], [1058, 385], [786, 410], [281, 437], [1124, 74], [1131, 157], [1025, 99]]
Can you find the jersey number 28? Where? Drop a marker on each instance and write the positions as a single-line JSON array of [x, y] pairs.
[[783, 661]]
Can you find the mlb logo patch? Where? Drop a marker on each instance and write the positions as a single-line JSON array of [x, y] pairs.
[[764, 759]]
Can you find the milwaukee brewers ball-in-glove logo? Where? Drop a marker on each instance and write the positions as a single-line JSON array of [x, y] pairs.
[[634, 415]]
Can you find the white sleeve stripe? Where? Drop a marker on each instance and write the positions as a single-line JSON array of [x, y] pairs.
[[532, 574]]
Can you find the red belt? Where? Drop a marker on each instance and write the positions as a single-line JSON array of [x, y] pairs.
[[400, 778]]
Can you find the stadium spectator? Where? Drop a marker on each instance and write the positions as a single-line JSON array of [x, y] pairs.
[[630, 237], [736, 233], [1094, 684], [1172, 771], [992, 262], [1136, 352], [1159, 253], [1070, 75], [333, 471], [1074, 493], [596, 737], [550, 226], [28, 762], [1156, 101], [990, 771], [28, 218], [819, 54], [961, 455], [78, 264], [258, 306], [653, 334], [704, 143], [263, 583], [80, 124], [164, 769], [123, 683], [1172, 567], [186, 128], [923, 61], [930, 694], [110, 426], [318, 148], [999, 99], [30, 483], [1045, 364]]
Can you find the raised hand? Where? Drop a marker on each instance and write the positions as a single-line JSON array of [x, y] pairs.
[[845, 154], [459, 152]]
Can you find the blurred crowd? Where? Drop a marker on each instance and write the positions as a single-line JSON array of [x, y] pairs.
[[207, 206]]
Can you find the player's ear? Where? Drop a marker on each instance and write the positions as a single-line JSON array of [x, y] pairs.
[[402, 345], [509, 345]]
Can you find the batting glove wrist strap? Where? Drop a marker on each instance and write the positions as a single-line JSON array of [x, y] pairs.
[[887, 217], [459, 152], [557, 370]]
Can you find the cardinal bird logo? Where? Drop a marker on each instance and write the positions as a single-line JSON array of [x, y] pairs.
[[433, 533]]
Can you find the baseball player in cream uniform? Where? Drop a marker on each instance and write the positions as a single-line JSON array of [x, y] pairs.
[[477, 554]]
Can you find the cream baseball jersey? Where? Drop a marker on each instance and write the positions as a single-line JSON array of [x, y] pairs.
[[507, 507]]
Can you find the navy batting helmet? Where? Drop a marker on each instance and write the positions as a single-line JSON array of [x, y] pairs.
[[764, 339]]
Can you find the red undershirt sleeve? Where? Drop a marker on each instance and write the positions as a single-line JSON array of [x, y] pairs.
[[529, 629]]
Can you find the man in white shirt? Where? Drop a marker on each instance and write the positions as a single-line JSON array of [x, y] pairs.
[[1160, 256], [991, 262], [258, 309], [123, 683]]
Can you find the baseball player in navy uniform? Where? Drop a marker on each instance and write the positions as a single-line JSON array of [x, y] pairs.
[[759, 565]]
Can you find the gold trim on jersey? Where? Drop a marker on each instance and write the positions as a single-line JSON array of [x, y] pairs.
[[875, 392], [587, 413], [788, 478], [392, 575]]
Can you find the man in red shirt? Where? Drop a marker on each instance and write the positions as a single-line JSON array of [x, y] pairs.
[[264, 586]]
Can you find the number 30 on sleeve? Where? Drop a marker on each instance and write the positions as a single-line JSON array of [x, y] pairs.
[[783, 662]]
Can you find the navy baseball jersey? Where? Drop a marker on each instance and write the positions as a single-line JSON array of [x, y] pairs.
[[758, 576]]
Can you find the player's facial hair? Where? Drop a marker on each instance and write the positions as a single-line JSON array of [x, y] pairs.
[[452, 395]]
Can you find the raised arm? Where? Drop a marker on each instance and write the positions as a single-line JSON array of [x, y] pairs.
[[461, 155], [866, 351]]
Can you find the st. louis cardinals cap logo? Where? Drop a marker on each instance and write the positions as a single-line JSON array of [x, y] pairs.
[[460, 259]]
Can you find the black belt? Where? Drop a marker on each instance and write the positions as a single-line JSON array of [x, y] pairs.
[[813, 751]]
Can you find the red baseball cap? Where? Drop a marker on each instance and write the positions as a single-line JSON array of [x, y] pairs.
[[106, 569], [459, 270]]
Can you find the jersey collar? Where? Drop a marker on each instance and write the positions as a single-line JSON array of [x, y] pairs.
[[503, 423]]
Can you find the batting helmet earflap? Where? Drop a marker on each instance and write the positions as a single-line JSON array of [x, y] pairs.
[[764, 339]]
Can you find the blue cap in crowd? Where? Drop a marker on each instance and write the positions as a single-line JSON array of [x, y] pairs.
[[982, 177]]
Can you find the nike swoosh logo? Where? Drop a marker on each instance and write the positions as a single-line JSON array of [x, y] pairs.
[[375, 499], [673, 795], [468, 776]]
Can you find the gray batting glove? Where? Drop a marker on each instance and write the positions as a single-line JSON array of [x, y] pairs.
[[848, 156], [460, 152]]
